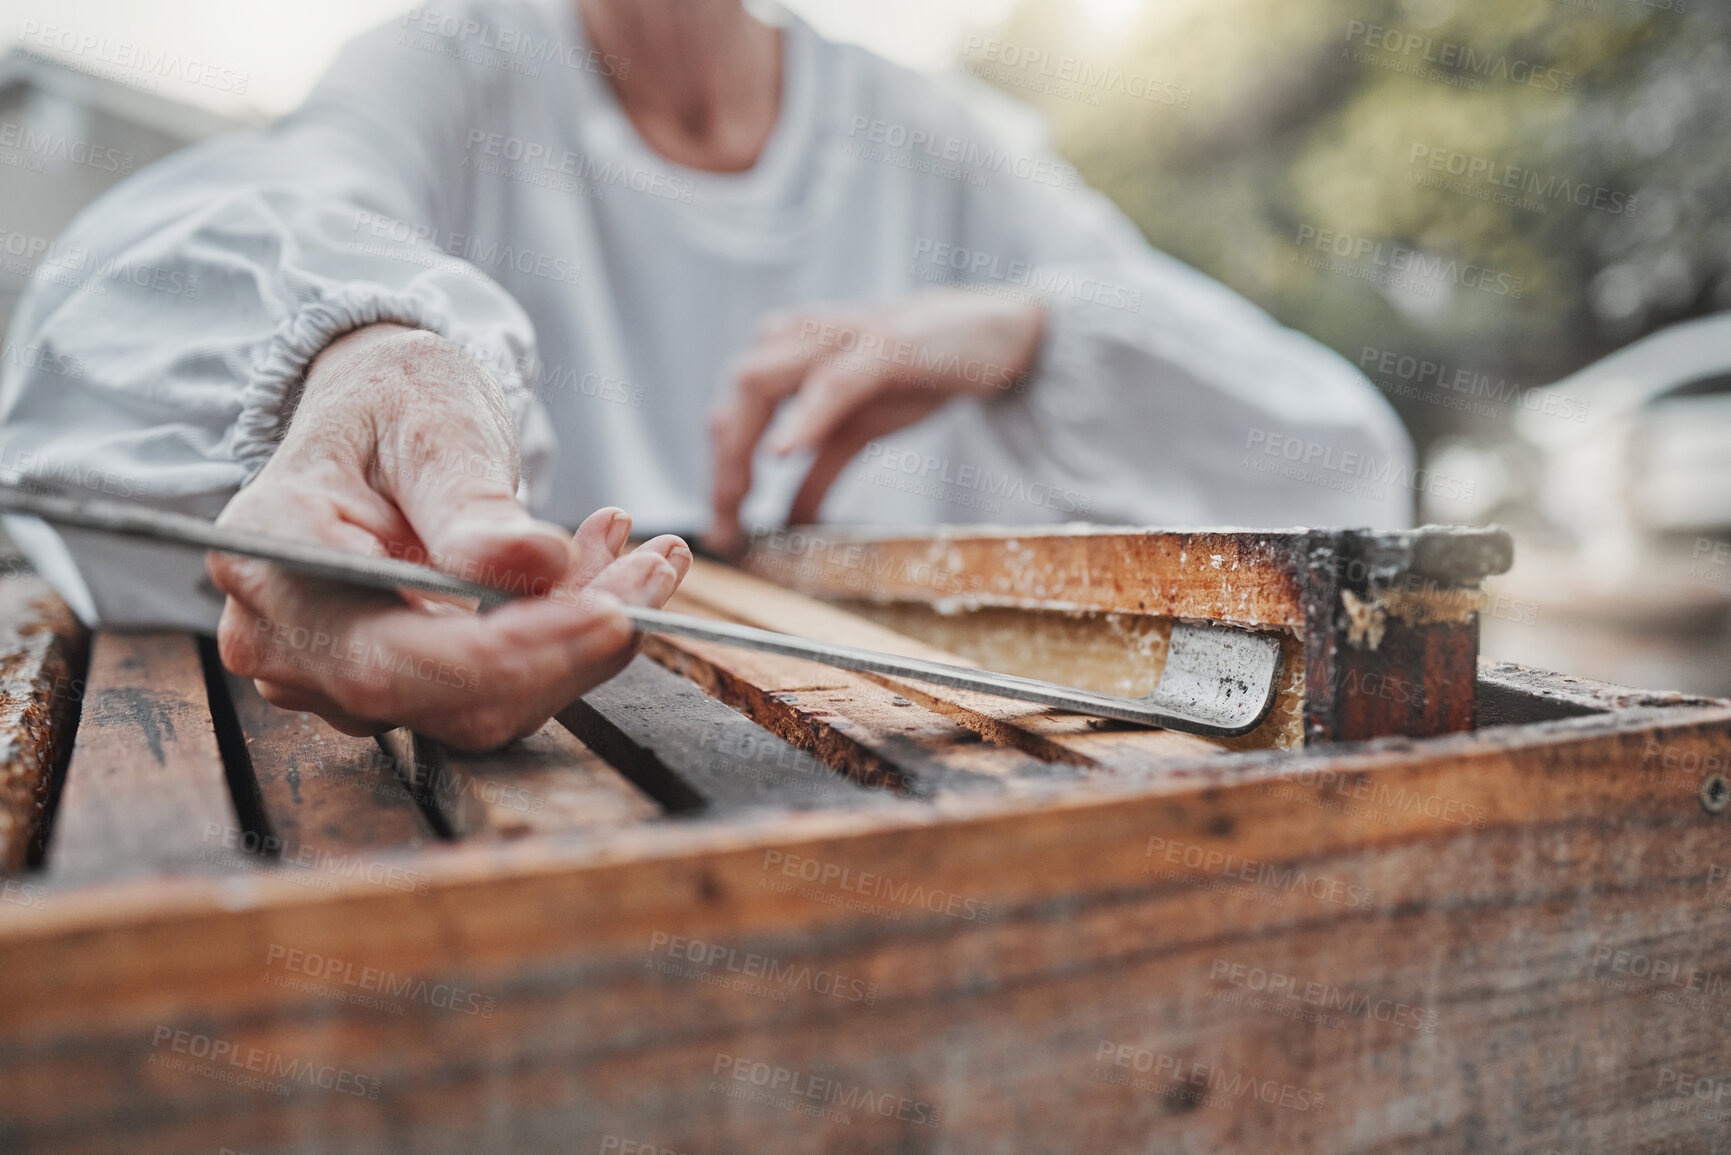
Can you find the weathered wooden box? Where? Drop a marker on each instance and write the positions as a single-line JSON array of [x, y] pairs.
[[734, 903]]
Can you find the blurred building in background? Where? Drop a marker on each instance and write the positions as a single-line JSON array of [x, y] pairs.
[[66, 136], [1478, 202]]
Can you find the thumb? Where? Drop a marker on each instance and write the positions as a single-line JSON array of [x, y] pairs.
[[467, 515]]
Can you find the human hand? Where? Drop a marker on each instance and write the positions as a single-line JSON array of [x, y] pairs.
[[400, 444], [855, 373]]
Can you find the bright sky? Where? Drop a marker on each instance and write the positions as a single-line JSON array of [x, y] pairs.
[[281, 46]]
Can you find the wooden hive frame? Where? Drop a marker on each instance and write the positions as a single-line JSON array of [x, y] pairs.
[[1380, 629], [995, 929]]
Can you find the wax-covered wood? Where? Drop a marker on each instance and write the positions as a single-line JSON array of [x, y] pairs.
[[854, 724], [1049, 735], [1513, 694], [1466, 905], [1248, 578], [1383, 627], [146, 790], [43, 650], [1251, 577]]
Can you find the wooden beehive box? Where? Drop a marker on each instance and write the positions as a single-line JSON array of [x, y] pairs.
[[736, 903]]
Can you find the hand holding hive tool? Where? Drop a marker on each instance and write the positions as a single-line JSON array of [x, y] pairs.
[[1218, 681]]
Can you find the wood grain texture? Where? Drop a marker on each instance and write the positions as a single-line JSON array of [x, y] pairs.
[[43, 650], [1112, 653], [1513, 694], [1250, 577], [657, 727], [1049, 735], [321, 789], [1383, 625], [856, 725], [146, 790], [1459, 903], [1247, 578], [546, 784]]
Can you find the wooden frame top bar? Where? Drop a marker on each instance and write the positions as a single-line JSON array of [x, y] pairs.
[[1249, 577], [1383, 624]]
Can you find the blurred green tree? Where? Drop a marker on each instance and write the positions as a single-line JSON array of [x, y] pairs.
[[1506, 187]]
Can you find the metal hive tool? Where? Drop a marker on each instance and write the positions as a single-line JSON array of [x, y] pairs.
[[1219, 681]]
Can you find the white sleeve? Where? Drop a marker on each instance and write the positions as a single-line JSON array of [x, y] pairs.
[[169, 323], [1160, 396]]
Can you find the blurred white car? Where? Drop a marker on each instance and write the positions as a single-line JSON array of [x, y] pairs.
[[1621, 514]]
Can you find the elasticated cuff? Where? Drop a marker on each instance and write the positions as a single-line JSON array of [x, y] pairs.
[[299, 339]]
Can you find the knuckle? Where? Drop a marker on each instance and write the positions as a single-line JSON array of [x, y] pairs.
[[237, 647]]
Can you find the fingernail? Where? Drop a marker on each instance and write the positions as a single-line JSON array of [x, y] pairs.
[[618, 529]]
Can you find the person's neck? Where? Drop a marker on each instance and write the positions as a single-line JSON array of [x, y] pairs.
[[703, 86]]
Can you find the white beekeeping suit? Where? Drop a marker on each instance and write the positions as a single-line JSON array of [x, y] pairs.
[[471, 172]]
